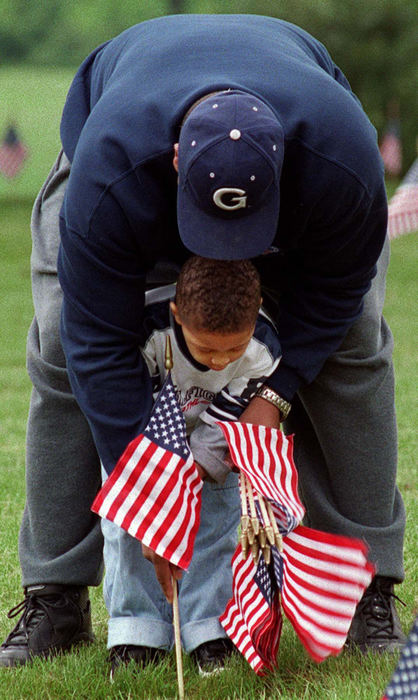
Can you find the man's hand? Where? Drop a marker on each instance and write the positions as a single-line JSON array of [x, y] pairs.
[[258, 412], [164, 570], [261, 412]]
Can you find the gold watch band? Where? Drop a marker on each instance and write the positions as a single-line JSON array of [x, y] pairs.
[[269, 395]]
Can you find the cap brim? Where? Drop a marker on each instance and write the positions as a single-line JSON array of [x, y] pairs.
[[228, 239]]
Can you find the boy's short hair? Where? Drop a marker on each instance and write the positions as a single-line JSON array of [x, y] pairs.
[[221, 296]]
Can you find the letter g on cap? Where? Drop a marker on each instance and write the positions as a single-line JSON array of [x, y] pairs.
[[234, 202]]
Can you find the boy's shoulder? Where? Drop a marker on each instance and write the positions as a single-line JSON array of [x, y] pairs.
[[266, 332]]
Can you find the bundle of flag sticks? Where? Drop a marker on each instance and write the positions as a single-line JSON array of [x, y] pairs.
[[257, 535]]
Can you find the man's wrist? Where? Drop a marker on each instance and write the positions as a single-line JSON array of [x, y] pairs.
[[283, 406]]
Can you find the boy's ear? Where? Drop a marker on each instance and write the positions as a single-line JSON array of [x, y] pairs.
[[175, 312]]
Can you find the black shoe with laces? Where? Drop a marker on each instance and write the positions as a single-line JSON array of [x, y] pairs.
[[123, 654], [53, 619], [211, 656], [376, 625]]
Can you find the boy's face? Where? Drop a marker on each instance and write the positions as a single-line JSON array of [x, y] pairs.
[[214, 350]]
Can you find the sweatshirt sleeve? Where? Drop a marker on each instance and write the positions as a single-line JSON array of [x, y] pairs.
[[324, 278], [102, 275]]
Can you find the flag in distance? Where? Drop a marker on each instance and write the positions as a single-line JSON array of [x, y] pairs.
[[13, 153], [154, 491], [391, 147], [321, 577], [403, 207]]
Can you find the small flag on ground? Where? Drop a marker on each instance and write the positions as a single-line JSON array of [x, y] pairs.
[[154, 491], [403, 207], [13, 153], [321, 577], [404, 682]]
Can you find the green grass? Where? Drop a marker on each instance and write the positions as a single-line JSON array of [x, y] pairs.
[[84, 673]]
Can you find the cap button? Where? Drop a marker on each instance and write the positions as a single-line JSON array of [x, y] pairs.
[[235, 134]]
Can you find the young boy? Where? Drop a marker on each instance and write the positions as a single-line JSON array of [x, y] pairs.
[[224, 347]]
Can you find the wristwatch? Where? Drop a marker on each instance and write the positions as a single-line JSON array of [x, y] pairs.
[[269, 395]]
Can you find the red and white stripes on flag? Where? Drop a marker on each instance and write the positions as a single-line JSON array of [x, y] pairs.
[[321, 577], [266, 457], [252, 618], [324, 578], [154, 491]]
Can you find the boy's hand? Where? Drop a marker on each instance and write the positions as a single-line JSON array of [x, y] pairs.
[[202, 473], [164, 570]]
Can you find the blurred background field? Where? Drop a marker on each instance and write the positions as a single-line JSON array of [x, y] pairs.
[[32, 98], [43, 43]]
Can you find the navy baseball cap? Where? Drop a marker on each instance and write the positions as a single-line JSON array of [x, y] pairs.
[[230, 158]]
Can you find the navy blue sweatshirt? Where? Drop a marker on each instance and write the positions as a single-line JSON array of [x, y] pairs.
[[121, 118]]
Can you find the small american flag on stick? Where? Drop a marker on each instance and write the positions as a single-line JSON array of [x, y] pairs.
[[320, 577], [154, 491]]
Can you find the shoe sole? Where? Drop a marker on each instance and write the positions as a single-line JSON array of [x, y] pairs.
[[84, 638], [212, 672]]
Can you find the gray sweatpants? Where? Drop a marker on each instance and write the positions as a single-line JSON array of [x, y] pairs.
[[344, 425]]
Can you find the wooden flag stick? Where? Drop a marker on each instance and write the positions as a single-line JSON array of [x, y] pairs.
[[168, 362], [277, 536], [177, 638], [254, 519], [245, 520], [268, 526]]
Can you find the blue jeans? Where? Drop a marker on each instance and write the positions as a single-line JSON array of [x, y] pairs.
[[139, 612]]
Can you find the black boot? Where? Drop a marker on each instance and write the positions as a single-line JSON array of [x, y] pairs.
[[54, 618], [376, 625]]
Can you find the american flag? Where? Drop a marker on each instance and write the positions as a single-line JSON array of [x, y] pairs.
[[324, 578], [266, 457], [13, 153], [404, 682], [252, 618], [154, 491], [321, 577], [403, 207]]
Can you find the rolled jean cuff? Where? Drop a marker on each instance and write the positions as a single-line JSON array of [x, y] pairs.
[[195, 633], [140, 631]]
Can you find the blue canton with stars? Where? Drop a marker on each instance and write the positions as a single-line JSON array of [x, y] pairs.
[[269, 577], [404, 683], [166, 426]]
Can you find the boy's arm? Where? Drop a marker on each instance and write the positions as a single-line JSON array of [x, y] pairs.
[[234, 402]]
